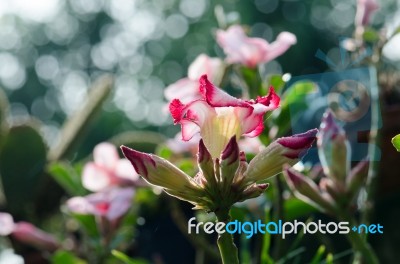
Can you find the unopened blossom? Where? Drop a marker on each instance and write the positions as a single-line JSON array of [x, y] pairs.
[[111, 204], [108, 170], [187, 89], [365, 9], [339, 184], [27, 233], [218, 116], [250, 52]]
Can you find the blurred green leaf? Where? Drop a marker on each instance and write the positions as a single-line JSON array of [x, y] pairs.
[[329, 259], [146, 141], [125, 259], [277, 82], [295, 208], [318, 255], [164, 152], [22, 159], [79, 122], [88, 223], [67, 177], [65, 257], [396, 142], [253, 81], [294, 98], [371, 35], [265, 256]]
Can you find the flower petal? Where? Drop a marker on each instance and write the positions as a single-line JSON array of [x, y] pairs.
[[105, 154], [186, 90], [217, 97], [282, 43], [6, 224], [96, 178], [212, 67]]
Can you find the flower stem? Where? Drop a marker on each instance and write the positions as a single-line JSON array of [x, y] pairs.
[[227, 248], [360, 245]]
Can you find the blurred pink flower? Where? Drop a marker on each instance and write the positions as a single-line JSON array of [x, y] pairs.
[[250, 145], [219, 116], [108, 170], [252, 51], [365, 9], [27, 233], [187, 89], [111, 204]]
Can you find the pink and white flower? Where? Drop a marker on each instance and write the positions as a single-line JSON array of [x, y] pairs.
[[186, 89], [111, 204], [108, 170], [218, 116], [252, 51], [365, 9]]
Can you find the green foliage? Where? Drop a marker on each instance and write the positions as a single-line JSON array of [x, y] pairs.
[[65, 257], [295, 98], [125, 259], [371, 35], [22, 159], [396, 142], [3, 113], [67, 177]]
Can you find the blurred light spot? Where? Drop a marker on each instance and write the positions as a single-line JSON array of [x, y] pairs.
[[266, 6], [86, 6], [286, 77], [47, 67], [50, 134], [38, 10], [121, 9], [319, 16], [18, 114], [156, 116], [39, 109], [293, 11], [343, 15], [103, 56], [73, 91], [12, 73], [9, 34], [176, 26], [142, 25], [193, 8], [138, 111], [152, 89], [62, 29], [262, 30], [126, 92]]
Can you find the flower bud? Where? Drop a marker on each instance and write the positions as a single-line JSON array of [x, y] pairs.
[[253, 191], [357, 178], [285, 150], [160, 172], [333, 149], [29, 234], [229, 163], [206, 164], [306, 190]]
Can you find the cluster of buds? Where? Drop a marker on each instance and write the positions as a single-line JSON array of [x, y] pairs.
[[224, 176], [340, 184]]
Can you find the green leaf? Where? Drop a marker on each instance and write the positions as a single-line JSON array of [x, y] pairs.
[[125, 259], [370, 35], [253, 81], [67, 177], [265, 256], [277, 82], [88, 223], [22, 159], [396, 142], [318, 255], [296, 208], [65, 257], [78, 123]]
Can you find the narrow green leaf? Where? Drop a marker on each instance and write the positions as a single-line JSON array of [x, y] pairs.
[[125, 259], [318, 255], [329, 259], [396, 142], [265, 256], [76, 125]]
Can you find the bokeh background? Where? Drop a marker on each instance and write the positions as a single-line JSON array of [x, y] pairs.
[[53, 51]]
